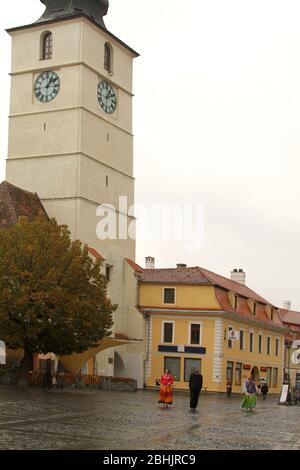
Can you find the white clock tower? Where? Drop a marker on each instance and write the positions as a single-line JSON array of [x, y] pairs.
[[70, 132]]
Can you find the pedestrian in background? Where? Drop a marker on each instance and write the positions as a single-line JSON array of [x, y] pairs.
[[195, 383], [228, 388], [250, 400], [264, 389], [166, 389]]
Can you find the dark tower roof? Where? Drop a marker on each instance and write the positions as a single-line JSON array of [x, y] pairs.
[[93, 9]]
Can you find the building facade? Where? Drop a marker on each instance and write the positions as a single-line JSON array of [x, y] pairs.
[[198, 319]]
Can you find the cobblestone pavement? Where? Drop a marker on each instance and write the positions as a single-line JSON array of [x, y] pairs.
[[97, 420]]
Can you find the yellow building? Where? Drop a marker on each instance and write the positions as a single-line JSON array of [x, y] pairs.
[[291, 320], [191, 315]]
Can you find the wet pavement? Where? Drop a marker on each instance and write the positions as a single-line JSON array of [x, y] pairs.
[[98, 420]]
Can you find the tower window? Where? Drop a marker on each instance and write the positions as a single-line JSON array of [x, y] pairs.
[[46, 46], [108, 58]]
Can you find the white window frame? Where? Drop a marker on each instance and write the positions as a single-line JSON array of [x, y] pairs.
[[190, 333], [270, 352], [163, 295], [163, 331]]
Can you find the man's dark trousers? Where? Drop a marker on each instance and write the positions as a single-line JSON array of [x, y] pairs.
[[194, 394]]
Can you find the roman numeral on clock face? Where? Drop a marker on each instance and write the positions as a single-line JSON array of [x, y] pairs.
[[47, 86]]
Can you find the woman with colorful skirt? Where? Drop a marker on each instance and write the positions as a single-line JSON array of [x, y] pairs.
[[249, 402], [166, 389]]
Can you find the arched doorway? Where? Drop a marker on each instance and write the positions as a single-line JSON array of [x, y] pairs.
[[255, 374], [120, 369]]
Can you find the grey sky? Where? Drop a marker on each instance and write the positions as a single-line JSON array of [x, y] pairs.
[[217, 119]]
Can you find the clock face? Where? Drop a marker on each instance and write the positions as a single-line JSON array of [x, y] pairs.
[[47, 86], [107, 97]]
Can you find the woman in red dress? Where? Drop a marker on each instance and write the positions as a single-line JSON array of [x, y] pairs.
[[166, 389]]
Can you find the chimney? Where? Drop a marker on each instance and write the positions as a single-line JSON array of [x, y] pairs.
[[150, 262], [287, 305], [180, 265], [239, 275]]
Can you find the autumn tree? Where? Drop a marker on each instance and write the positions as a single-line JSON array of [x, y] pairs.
[[53, 296]]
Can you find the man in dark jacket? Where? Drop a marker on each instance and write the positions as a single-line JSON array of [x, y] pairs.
[[196, 382]]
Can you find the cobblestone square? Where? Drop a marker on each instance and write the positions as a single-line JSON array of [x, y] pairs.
[[96, 420]]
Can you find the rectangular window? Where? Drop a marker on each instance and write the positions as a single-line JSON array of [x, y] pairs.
[[190, 365], [268, 345], [241, 340], [229, 371], [238, 373], [229, 341], [269, 376], [275, 377], [168, 331], [298, 381], [235, 302], [195, 333], [173, 364], [169, 296], [254, 308], [277, 347], [251, 342], [260, 343]]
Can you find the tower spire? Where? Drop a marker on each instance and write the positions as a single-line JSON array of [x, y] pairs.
[[93, 9]]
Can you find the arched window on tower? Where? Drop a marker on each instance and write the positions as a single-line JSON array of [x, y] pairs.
[[108, 58], [46, 45]]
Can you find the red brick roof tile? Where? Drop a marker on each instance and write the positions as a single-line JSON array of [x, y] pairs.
[[134, 266], [96, 254], [16, 203]]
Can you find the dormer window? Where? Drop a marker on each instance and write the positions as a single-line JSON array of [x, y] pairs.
[[46, 45], [108, 58]]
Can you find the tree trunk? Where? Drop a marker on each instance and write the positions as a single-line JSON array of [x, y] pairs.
[[26, 367]]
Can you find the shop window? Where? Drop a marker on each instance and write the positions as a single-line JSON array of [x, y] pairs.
[[169, 296], [229, 371], [269, 376], [238, 373], [173, 364], [190, 365], [168, 332], [275, 377]]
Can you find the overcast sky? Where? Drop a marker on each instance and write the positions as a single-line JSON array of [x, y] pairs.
[[217, 122]]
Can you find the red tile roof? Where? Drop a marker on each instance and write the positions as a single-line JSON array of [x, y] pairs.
[[96, 254], [197, 275], [134, 266], [16, 203], [289, 317], [174, 276]]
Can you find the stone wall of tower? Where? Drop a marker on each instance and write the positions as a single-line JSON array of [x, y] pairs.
[[74, 155]]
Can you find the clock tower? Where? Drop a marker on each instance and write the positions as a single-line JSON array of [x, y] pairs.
[[70, 132]]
